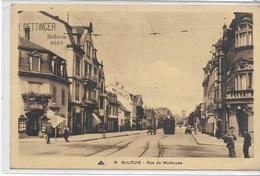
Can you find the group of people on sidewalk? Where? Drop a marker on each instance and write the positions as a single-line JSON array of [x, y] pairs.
[[229, 138], [49, 132]]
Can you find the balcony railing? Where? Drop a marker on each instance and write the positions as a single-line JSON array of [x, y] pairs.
[[91, 78], [240, 94], [90, 100]]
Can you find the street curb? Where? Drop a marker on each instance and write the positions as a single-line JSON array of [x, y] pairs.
[[71, 140], [85, 140], [200, 143]]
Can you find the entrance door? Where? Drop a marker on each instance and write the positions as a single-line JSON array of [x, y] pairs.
[[33, 123], [242, 120]]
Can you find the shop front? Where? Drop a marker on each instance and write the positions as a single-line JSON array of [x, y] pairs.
[[33, 121]]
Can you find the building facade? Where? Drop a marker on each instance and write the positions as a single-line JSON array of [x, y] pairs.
[[85, 72], [238, 50], [126, 99], [113, 122], [43, 85], [228, 81]]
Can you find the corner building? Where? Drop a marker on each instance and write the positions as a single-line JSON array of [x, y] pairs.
[[85, 72]]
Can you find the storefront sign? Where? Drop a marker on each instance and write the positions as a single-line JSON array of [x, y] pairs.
[[50, 29]]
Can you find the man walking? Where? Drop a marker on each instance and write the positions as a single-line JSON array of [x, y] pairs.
[[229, 139], [66, 134], [48, 131], [247, 144]]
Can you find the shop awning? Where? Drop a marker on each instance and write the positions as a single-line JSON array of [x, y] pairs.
[[55, 119], [96, 119], [211, 120], [132, 123]]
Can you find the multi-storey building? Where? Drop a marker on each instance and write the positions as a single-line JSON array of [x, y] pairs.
[[238, 50], [85, 72], [212, 90], [126, 99], [113, 123], [43, 85], [228, 82]]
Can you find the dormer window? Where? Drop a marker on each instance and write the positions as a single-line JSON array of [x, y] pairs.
[[244, 35], [35, 62]]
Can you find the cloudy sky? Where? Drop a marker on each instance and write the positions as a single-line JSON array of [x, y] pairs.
[[167, 68]]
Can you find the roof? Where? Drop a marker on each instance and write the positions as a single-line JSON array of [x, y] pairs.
[[68, 28], [27, 44], [121, 106]]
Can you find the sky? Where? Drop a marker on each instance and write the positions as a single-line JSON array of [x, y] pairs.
[[166, 69]]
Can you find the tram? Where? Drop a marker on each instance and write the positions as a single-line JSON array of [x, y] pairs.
[[169, 125]]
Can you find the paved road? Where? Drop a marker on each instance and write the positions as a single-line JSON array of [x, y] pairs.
[[141, 145]]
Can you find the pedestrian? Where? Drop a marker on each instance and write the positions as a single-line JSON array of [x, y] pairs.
[[48, 131], [247, 144], [229, 139], [66, 134]]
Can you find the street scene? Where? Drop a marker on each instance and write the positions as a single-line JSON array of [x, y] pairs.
[[138, 144], [144, 84]]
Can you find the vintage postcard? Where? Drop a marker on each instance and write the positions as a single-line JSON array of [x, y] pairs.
[[135, 86]]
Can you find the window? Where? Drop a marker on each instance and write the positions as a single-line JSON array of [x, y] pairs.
[[243, 82], [77, 91], [101, 103], [244, 35], [89, 94], [62, 70], [250, 81], [85, 69], [95, 72], [113, 110], [250, 38], [54, 94], [63, 97], [88, 52], [35, 63], [90, 70], [77, 66], [53, 66], [94, 53], [102, 87]]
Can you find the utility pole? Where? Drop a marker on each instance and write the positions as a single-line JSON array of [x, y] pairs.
[[68, 17]]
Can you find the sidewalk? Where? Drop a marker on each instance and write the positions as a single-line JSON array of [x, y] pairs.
[[86, 137], [205, 139]]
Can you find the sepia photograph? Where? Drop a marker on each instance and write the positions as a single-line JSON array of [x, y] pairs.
[[115, 86]]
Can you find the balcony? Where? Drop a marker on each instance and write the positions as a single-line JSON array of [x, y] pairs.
[[89, 101], [240, 96], [102, 94], [90, 79]]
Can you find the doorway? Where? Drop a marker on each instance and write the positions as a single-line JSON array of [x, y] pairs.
[[33, 126], [242, 120]]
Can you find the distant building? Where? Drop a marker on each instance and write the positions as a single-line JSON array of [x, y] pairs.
[[113, 122], [212, 89], [123, 117], [139, 112], [43, 85], [127, 99], [150, 117]]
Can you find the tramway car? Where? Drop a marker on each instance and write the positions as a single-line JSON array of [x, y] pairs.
[[169, 125]]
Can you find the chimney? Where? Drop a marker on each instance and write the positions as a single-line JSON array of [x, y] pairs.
[[27, 33]]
